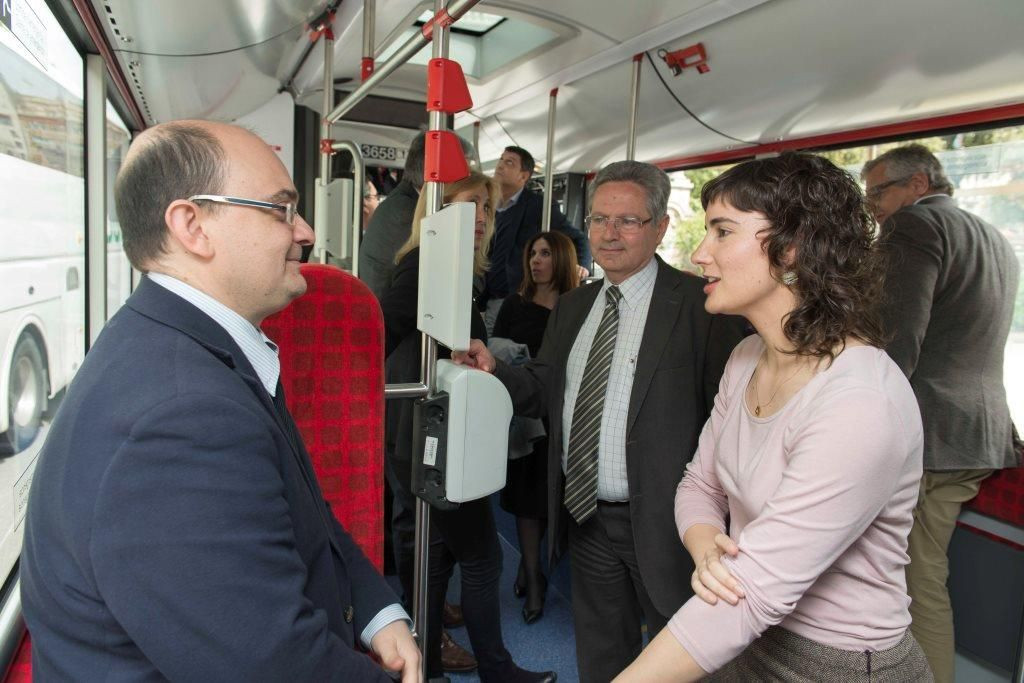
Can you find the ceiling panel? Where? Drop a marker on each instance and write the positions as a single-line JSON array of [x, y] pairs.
[[780, 69], [784, 70], [197, 58]]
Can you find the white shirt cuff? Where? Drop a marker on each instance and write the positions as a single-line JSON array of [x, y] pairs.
[[389, 614]]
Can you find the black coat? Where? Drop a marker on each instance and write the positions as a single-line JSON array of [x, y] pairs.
[[388, 230]]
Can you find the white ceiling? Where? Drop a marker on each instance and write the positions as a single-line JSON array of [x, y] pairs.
[[779, 69]]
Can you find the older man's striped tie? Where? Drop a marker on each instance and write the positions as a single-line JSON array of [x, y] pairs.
[[585, 432]]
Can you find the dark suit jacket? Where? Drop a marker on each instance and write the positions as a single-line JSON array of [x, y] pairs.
[[524, 219], [175, 529], [388, 230], [950, 287], [682, 355]]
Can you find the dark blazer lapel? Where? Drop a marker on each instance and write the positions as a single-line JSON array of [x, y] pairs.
[[515, 214], [666, 302], [166, 307]]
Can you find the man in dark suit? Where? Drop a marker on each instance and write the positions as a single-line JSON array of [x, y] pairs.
[[627, 374], [391, 223], [951, 283], [518, 219], [175, 527]]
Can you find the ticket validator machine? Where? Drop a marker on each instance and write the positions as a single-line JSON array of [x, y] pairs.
[[461, 447]]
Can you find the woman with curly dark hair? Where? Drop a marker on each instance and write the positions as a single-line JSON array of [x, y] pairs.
[[812, 453]]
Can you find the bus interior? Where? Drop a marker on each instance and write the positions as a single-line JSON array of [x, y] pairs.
[[691, 86]]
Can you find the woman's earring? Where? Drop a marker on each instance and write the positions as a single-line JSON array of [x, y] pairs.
[[789, 278]]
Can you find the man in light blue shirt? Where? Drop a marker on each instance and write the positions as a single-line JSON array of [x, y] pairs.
[[175, 528]]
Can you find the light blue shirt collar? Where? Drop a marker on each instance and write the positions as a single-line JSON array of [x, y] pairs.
[[512, 200], [257, 347]]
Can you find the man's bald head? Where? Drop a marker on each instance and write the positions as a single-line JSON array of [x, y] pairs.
[[167, 162]]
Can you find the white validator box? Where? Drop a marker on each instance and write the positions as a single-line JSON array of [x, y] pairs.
[[446, 275], [333, 222], [479, 412]]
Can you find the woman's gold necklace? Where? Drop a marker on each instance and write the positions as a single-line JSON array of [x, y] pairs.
[[757, 394]]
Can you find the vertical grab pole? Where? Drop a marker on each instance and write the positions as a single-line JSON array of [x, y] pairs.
[[549, 163], [634, 106], [369, 29], [325, 135], [476, 143], [428, 371], [365, 71]]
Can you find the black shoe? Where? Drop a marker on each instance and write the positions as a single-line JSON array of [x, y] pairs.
[[519, 585], [534, 608]]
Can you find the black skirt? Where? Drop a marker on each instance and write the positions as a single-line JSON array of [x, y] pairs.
[[526, 487]]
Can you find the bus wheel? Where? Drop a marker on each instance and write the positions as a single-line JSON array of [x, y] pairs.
[[26, 397]]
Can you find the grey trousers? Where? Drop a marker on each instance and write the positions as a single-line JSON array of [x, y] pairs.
[[781, 655]]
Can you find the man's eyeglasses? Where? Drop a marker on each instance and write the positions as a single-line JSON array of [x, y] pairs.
[[624, 225], [876, 192], [374, 197], [288, 208]]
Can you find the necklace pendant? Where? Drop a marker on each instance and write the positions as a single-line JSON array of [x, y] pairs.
[[757, 411]]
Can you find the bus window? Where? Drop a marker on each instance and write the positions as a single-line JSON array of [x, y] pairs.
[[42, 243], [686, 216], [119, 271]]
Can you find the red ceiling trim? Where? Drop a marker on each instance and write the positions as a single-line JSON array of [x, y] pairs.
[[862, 135], [99, 39]]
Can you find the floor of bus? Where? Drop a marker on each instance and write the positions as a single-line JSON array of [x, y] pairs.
[[549, 644]]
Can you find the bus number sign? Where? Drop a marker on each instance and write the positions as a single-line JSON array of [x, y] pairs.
[[382, 153]]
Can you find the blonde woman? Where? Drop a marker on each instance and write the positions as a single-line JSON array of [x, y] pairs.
[[466, 535]]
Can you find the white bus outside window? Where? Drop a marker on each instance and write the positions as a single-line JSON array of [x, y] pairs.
[[42, 245], [119, 271]]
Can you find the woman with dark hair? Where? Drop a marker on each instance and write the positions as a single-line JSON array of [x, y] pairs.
[[550, 269], [466, 535], [812, 452]]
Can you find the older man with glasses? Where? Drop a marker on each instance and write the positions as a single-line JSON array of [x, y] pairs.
[[626, 375], [950, 289]]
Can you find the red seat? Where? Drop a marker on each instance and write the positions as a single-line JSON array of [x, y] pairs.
[[20, 670], [331, 343], [1002, 496]]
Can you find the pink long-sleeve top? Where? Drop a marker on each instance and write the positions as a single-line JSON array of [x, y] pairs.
[[820, 498]]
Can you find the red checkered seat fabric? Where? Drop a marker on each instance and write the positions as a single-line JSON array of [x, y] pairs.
[[1002, 496], [331, 343], [20, 670]]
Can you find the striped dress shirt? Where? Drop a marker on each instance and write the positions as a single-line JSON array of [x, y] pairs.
[[612, 483]]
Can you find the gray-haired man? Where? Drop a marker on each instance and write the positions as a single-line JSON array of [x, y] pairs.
[[951, 284]]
